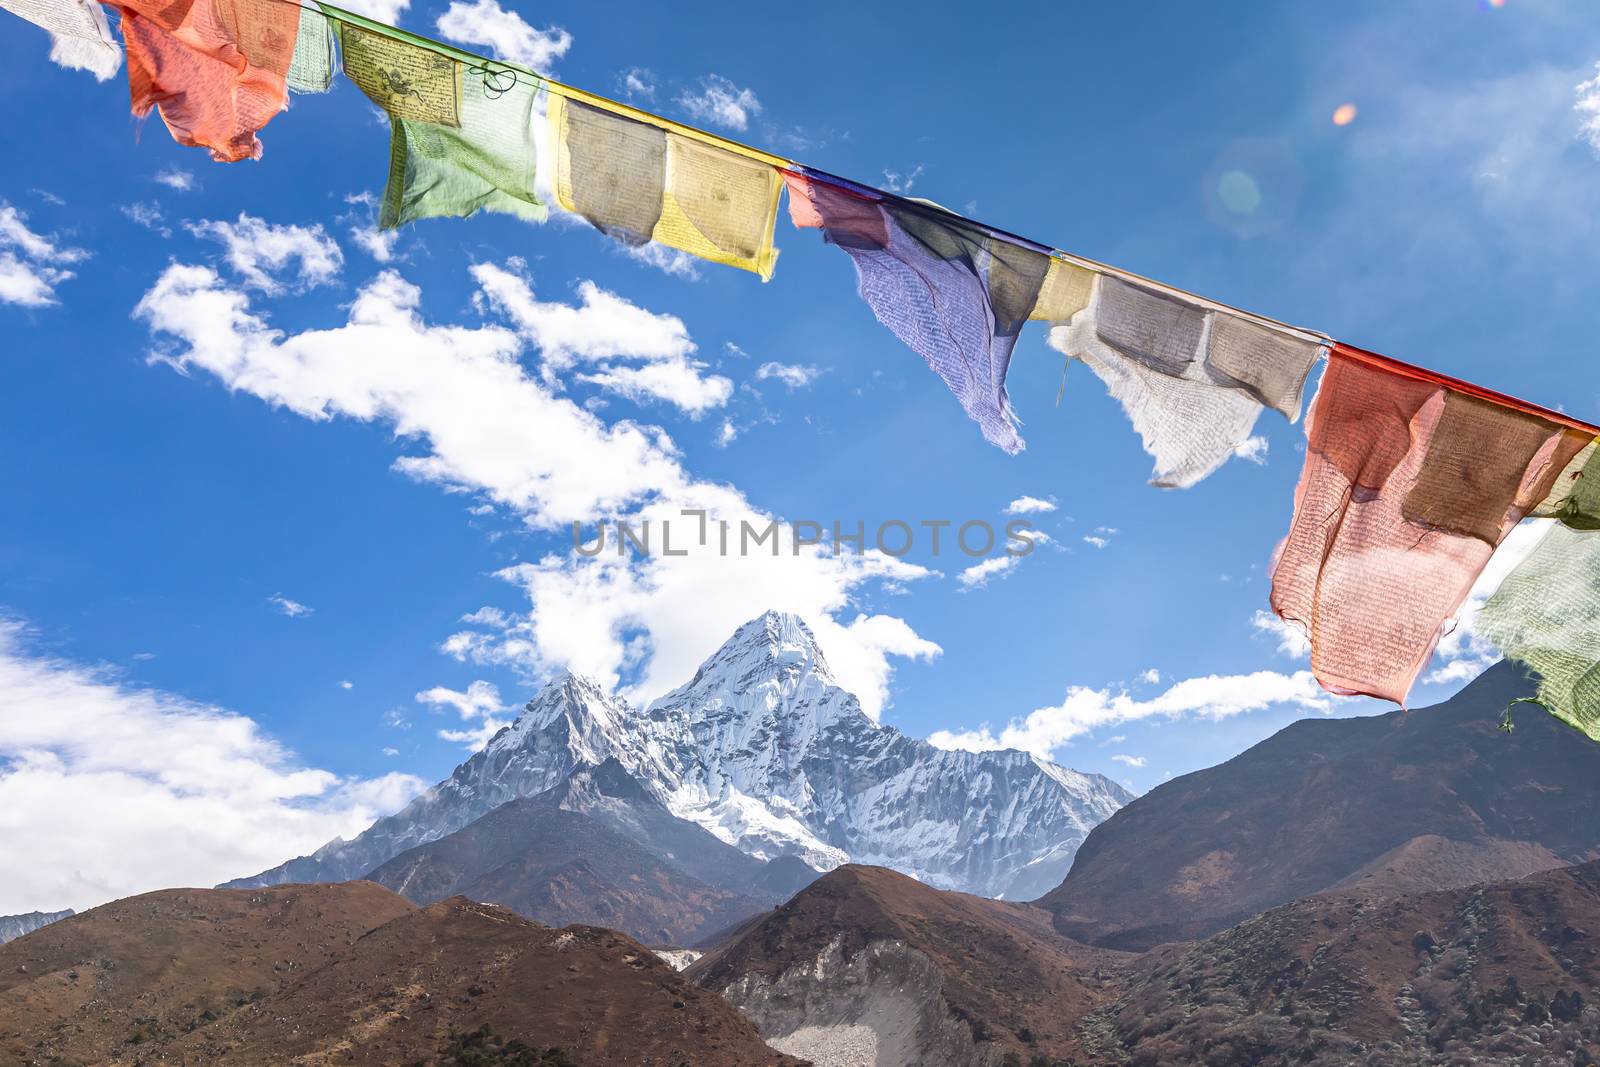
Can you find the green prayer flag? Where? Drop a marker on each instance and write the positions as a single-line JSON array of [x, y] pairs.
[[484, 164], [1547, 615]]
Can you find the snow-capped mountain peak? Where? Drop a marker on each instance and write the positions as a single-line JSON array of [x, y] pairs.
[[765, 750]]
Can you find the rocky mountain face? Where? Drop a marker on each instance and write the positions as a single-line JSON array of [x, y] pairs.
[[353, 974], [597, 849], [764, 750], [1407, 801], [1507, 973], [14, 926], [869, 966]]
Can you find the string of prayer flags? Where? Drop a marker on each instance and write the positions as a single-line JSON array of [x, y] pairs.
[[1546, 614], [1408, 487], [1191, 380], [216, 69], [80, 37], [952, 291], [640, 181]]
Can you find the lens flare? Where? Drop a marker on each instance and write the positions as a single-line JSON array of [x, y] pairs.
[[1344, 114]]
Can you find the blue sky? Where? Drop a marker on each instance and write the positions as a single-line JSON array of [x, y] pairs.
[[252, 554]]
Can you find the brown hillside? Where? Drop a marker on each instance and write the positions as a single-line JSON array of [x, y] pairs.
[[1428, 799], [1502, 974], [100, 985], [346, 974], [988, 977]]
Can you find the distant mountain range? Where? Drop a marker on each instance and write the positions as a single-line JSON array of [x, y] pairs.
[[14, 926], [1417, 800], [763, 750], [1413, 888]]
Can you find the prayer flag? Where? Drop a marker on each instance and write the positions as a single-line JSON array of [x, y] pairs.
[[1575, 498], [216, 69], [80, 37], [402, 76], [1191, 379], [1394, 518], [954, 292], [1547, 615], [485, 163], [311, 68], [640, 181]]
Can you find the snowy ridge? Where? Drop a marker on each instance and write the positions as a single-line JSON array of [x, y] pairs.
[[763, 749]]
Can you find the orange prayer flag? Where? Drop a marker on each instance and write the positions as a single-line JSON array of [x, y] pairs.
[[216, 69], [1395, 516]]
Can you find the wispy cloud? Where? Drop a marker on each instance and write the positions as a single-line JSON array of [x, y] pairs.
[[148, 215], [721, 103], [1030, 505], [262, 253], [792, 375], [182, 181], [898, 182], [1131, 761], [1084, 709], [637, 85], [1588, 107], [31, 264], [292, 608], [480, 706]]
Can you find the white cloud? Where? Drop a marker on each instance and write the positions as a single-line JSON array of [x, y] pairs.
[[677, 381], [658, 617], [602, 326], [1588, 106], [108, 790], [181, 180], [505, 33], [292, 608], [602, 329], [379, 244], [1097, 542], [896, 182], [492, 429], [147, 215], [721, 103], [259, 251], [488, 426], [1253, 449], [381, 10], [1131, 761], [666, 260], [978, 575], [726, 433], [1030, 505], [346, 684], [479, 706], [1212, 697], [792, 375], [1150, 676], [1292, 641], [637, 84], [31, 264], [388, 751]]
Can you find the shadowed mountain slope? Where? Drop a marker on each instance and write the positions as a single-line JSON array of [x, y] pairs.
[[1502, 974], [1406, 801]]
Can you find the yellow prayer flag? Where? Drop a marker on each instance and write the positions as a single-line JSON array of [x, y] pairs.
[[407, 81], [647, 181]]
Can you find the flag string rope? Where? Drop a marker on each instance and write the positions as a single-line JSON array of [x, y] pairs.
[[496, 84]]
